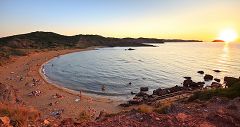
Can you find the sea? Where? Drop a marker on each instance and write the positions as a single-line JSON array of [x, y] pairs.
[[117, 71]]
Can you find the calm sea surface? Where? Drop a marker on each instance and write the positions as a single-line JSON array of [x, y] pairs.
[[162, 66]]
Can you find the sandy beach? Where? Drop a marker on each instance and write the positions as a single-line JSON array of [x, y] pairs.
[[23, 73]]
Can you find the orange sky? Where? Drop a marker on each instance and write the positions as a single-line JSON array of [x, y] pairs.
[[185, 19]]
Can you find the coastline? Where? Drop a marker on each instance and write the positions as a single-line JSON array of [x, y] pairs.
[[157, 108], [30, 67], [44, 77], [75, 92]]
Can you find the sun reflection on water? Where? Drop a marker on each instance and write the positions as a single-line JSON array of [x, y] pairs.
[[224, 57], [226, 48]]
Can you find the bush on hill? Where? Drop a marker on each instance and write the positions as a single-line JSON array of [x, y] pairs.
[[231, 92]]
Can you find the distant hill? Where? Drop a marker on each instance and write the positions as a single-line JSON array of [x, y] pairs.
[[21, 44], [41, 40]]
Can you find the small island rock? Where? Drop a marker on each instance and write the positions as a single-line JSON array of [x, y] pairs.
[[217, 71], [143, 88], [200, 72], [208, 77], [130, 49]]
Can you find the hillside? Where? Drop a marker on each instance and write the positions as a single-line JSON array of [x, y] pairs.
[[22, 44], [39, 40], [52, 40]]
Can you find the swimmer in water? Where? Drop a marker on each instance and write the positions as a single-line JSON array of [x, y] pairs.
[[103, 88]]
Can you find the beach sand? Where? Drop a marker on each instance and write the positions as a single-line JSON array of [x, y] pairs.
[[21, 72]]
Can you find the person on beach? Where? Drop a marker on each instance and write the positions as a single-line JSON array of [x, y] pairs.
[[80, 94]]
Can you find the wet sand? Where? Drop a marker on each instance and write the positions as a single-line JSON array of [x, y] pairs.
[[21, 74]]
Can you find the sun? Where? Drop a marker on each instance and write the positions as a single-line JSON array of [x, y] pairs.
[[228, 35]]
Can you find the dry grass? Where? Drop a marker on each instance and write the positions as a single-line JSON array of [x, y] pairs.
[[162, 106], [84, 116], [161, 110], [18, 114], [144, 109]]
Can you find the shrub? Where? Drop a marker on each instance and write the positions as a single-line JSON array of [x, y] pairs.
[[84, 116], [18, 52], [18, 114], [144, 109], [162, 109], [231, 92]]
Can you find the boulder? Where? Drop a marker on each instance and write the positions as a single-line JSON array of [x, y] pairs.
[[175, 88], [187, 83], [217, 80], [199, 84], [216, 85], [190, 83], [196, 85], [160, 92], [208, 77], [135, 101], [143, 88], [155, 92], [145, 97], [230, 81], [200, 72], [133, 93], [141, 94], [189, 78]]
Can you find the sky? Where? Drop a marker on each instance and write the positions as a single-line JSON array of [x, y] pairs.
[[178, 19]]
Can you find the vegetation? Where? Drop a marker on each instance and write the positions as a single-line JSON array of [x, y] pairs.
[[7, 52], [19, 116], [84, 116], [144, 109], [43, 40], [15, 45], [19, 45], [231, 92], [161, 110]]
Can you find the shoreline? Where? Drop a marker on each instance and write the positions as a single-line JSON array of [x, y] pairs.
[[45, 78], [76, 92], [24, 69]]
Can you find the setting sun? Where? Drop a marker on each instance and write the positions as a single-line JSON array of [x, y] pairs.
[[228, 35]]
